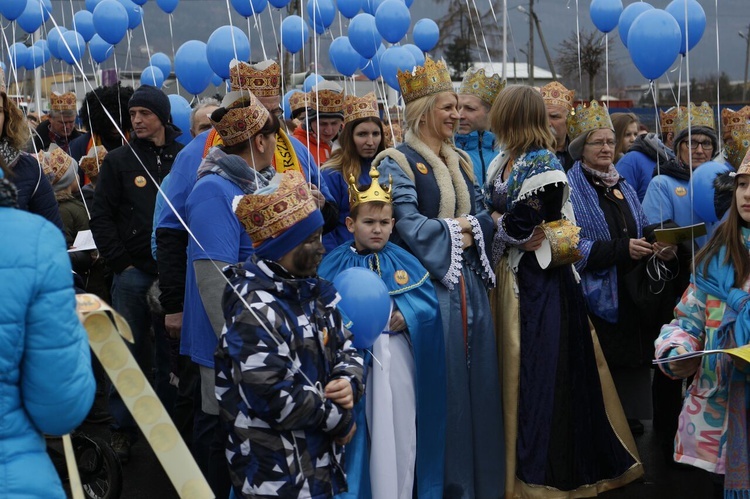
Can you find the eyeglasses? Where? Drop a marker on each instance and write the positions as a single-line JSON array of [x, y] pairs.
[[707, 145], [599, 144]]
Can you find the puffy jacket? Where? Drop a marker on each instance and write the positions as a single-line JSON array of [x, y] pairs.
[[481, 149], [46, 383], [35, 193]]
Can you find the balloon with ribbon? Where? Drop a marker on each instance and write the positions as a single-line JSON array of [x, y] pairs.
[[320, 14], [153, 76], [652, 29], [161, 61], [111, 21], [71, 47], [53, 37], [135, 13], [349, 8], [100, 49], [294, 33], [224, 44], [181, 117], [363, 35], [693, 26], [704, 190], [605, 14], [32, 16], [311, 81], [248, 8], [392, 20], [167, 6], [343, 56], [426, 34], [629, 14], [371, 67], [365, 304], [192, 68], [416, 52], [394, 59], [19, 54], [83, 23], [12, 9], [44, 47]]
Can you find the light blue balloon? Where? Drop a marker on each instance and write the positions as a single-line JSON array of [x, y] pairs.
[[53, 37], [395, 58], [100, 49], [191, 66], [91, 4], [167, 6], [426, 34], [285, 104], [83, 23], [393, 20], [11, 9], [416, 52], [19, 54], [216, 80], [181, 117], [248, 8], [349, 8], [629, 14], [111, 21], [343, 56], [605, 14], [294, 33], [696, 22], [224, 44], [652, 29], [71, 47], [32, 16], [153, 76], [320, 14], [161, 61], [135, 13], [311, 81], [363, 35], [44, 47]]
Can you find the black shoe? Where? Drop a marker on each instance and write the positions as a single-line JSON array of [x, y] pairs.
[[121, 444], [97, 415], [636, 427]]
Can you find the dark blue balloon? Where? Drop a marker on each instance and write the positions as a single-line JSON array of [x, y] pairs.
[[349, 8], [224, 44], [140, 2], [363, 35], [111, 21], [393, 20], [135, 13], [11, 9], [100, 49], [605, 14], [696, 22], [371, 67], [91, 4], [426, 34], [167, 6], [629, 14], [365, 304], [46, 10], [161, 61], [32, 16], [71, 47], [343, 56], [394, 59], [320, 14], [83, 22], [19, 54], [416, 52], [192, 68], [279, 4], [181, 117], [371, 6], [294, 33], [654, 28], [703, 189], [216, 80], [248, 8]]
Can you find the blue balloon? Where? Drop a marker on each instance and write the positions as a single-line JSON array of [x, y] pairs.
[[311, 81], [394, 59], [71, 47], [224, 44], [279, 4], [161, 61], [371, 67], [35, 57], [416, 52], [426, 34], [321, 14], [11, 9], [371, 6], [393, 20], [153, 76], [53, 37], [19, 54], [605, 14], [181, 117], [91, 4], [32, 16], [248, 8], [100, 49], [167, 6], [294, 33], [703, 189], [192, 68], [216, 80], [46, 9], [111, 21], [140, 2], [44, 47], [285, 104], [83, 23], [629, 14], [343, 56], [696, 22], [349, 8], [654, 28], [365, 304], [135, 13], [363, 35]]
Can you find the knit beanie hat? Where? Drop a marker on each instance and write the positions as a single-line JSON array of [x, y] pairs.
[[152, 99]]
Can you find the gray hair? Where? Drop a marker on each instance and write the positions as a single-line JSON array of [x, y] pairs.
[[202, 104]]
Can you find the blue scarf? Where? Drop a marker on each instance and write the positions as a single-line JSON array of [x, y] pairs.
[[526, 166], [599, 287]]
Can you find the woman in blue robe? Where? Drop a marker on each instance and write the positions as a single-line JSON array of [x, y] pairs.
[[441, 220]]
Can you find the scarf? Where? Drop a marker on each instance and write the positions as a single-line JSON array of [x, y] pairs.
[[675, 169], [734, 330], [608, 178], [651, 146], [8, 194], [599, 287], [233, 168], [8, 153]]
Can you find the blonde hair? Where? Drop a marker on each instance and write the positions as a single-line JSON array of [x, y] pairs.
[[518, 119], [15, 128]]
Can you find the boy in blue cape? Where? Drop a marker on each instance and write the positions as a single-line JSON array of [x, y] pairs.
[[404, 411]]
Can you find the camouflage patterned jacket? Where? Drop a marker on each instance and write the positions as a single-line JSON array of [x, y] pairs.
[[271, 367]]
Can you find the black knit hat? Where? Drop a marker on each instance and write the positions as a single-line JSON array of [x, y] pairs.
[[152, 99]]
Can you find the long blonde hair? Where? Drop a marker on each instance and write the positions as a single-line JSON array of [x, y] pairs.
[[518, 118]]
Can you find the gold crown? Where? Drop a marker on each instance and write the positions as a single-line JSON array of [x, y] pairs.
[[555, 94], [734, 120], [738, 146], [432, 78], [55, 162], [693, 115], [563, 237], [327, 102], [586, 119], [63, 102], [356, 108], [268, 215], [92, 162], [262, 79], [298, 101], [375, 192], [476, 83], [667, 119], [241, 123]]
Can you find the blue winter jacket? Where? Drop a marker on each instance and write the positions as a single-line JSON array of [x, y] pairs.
[[480, 147], [46, 383]]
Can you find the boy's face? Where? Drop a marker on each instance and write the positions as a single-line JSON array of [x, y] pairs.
[[372, 228]]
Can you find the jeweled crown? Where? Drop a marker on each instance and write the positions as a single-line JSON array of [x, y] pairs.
[[738, 146], [375, 192], [431, 78], [55, 162], [734, 120], [588, 118], [668, 118], [356, 108], [693, 115], [241, 123], [744, 168], [477, 83], [92, 162], [262, 79], [298, 101], [555, 94], [326, 101], [63, 102]]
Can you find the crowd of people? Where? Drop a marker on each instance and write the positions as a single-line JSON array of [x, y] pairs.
[[517, 234]]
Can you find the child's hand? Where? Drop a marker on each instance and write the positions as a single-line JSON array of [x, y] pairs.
[[348, 437], [686, 367], [339, 391], [397, 322]]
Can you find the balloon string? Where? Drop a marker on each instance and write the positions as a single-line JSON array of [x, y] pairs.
[[606, 65], [259, 29], [653, 90], [481, 30], [718, 74], [171, 38], [473, 28], [276, 40], [578, 41], [231, 29], [690, 134], [129, 54]]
